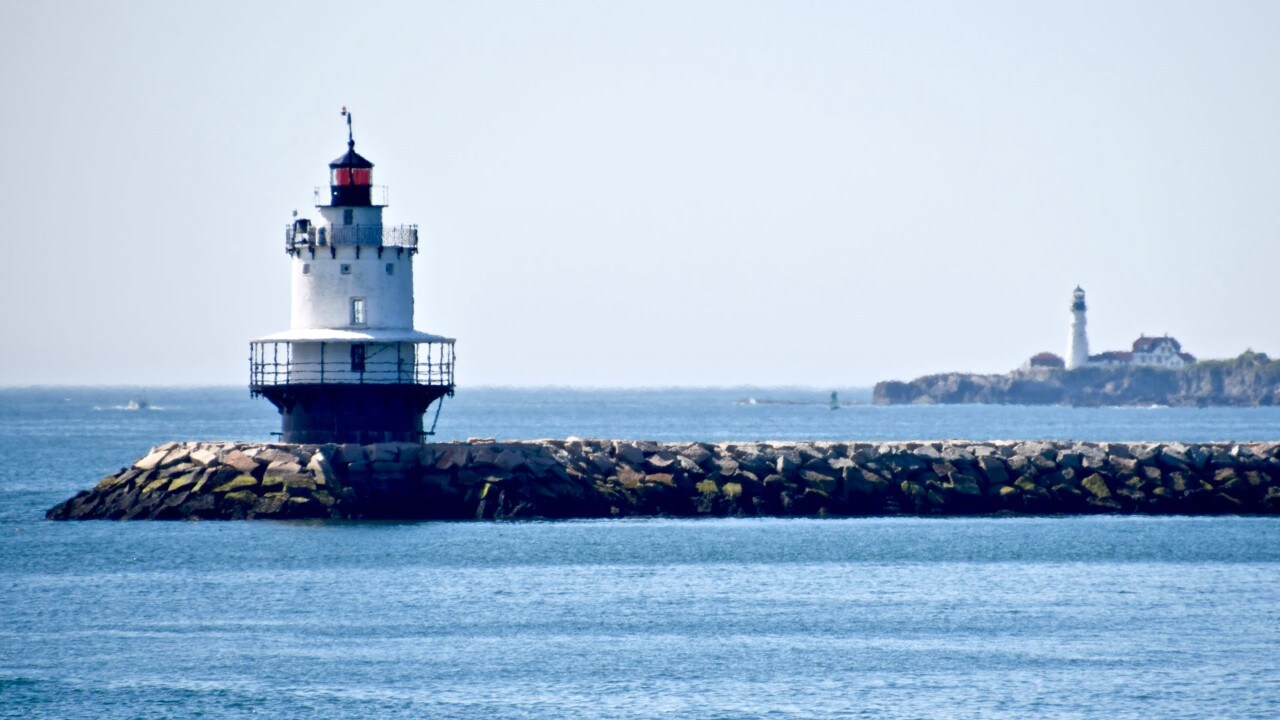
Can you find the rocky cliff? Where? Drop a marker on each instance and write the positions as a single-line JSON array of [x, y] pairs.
[[605, 478], [1251, 379]]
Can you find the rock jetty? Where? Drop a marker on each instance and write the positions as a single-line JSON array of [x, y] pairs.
[[1252, 379], [484, 479]]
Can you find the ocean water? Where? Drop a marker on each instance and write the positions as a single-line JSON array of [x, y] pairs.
[[1095, 617]]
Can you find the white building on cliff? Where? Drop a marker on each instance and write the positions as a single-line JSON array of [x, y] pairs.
[[1161, 351], [1164, 351]]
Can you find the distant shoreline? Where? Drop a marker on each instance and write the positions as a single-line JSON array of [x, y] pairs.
[[1250, 380]]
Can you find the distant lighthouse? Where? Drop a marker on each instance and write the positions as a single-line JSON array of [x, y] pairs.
[[351, 368], [1078, 347]]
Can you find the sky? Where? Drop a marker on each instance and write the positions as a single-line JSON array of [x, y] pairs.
[[647, 193]]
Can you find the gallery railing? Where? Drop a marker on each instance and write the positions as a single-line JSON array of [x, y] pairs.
[[393, 236], [274, 363]]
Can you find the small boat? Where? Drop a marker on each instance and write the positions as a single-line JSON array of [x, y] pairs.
[[137, 404]]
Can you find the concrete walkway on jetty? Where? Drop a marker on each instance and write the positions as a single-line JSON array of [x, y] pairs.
[[484, 479]]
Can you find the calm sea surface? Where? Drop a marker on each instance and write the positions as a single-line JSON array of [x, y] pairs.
[[896, 618]]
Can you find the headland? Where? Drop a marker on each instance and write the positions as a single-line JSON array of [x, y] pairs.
[[574, 478], [1252, 379]]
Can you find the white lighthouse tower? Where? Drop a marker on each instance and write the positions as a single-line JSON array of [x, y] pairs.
[[1078, 346], [351, 368]]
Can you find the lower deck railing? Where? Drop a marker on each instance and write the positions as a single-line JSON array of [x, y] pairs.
[[274, 363]]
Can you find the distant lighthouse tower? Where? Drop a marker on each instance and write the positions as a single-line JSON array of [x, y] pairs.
[[1078, 347], [351, 368]]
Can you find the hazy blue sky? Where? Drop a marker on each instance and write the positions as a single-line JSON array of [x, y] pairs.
[[647, 193]]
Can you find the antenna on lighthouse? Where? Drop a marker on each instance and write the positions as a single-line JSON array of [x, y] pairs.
[[351, 144], [351, 141]]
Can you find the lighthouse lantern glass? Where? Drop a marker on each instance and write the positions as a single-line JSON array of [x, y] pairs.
[[352, 176]]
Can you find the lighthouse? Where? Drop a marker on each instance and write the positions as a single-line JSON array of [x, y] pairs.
[[351, 368], [1078, 346]]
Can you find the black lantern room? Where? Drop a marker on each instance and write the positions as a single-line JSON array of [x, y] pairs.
[[351, 179]]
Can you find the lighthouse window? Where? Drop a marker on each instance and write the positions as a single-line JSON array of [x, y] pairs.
[[348, 216], [352, 176], [306, 268], [357, 311], [346, 268], [357, 358], [391, 269]]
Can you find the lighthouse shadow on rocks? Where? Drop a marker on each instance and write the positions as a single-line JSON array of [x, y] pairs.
[[351, 368]]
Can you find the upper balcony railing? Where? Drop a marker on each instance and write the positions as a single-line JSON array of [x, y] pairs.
[[390, 236], [379, 196]]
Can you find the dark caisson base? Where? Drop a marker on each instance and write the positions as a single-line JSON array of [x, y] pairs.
[[361, 414]]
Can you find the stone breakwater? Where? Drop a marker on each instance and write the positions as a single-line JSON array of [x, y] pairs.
[[483, 479]]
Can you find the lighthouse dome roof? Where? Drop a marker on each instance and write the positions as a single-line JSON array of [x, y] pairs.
[[351, 159]]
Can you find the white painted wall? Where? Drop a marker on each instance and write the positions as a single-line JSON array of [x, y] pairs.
[[322, 298], [1078, 345], [333, 215], [322, 294]]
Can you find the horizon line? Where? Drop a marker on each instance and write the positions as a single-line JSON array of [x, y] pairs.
[[494, 386]]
